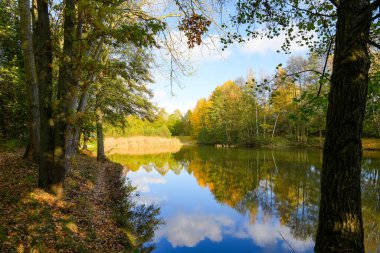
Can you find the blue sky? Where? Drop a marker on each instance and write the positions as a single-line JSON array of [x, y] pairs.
[[211, 66]]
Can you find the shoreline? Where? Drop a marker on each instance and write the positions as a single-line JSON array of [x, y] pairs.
[[88, 218], [368, 144]]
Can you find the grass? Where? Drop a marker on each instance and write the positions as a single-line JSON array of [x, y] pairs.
[[140, 145], [371, 144], [187, 140], [12, 144]]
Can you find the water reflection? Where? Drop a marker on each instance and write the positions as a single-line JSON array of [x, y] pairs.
[[220, 200], [189, 229]]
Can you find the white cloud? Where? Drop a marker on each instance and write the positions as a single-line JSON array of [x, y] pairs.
[[190, 229], [159, 94], [152, 200], [171, 106], [143, 182], [269, 233], [265, 45]]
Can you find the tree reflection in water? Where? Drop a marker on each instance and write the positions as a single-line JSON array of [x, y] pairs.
[[279, 183]]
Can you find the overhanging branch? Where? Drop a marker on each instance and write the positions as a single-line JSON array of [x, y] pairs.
[[375, 17], [324, 67], [373, 43], [375, 5], [335, 3]]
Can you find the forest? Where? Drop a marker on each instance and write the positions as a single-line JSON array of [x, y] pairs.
[[253, 111], [72, 71]]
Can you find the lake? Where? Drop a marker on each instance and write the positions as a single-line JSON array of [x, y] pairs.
[[242, 200]]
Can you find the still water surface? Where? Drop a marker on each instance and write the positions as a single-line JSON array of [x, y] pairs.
[[242, 200]]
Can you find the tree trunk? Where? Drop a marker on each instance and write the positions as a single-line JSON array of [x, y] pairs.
[[31, 77], [72, 142], [257, 125], [85, 140], [66, 97], [340, 217], [99, 134], [85, 93], [275, 124], [44, 63]]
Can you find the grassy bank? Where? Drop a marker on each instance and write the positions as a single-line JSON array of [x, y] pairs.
[[282, 142], [89, 217], [139, 145], [187, 140], [371, 144]]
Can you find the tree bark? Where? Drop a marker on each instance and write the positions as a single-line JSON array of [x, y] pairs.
[[85, 140], [44, 62], [99, 134], [31, 77], [340, 217], [67, 95]]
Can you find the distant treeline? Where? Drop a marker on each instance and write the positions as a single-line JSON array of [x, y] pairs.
[[288, 107], [290, 104]]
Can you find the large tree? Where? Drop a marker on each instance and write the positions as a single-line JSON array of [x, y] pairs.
[[349, 27], [60, 59]]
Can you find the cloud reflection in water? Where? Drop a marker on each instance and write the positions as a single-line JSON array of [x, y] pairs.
[[189, 229]]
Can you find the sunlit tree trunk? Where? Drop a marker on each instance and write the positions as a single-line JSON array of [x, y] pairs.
[[32, 152], [340, 218], [275, 125]]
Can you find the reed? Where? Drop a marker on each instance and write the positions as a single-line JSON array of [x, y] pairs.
[[140, 145]]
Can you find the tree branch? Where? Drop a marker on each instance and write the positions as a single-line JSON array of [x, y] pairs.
[[324, 68], [375, 5], [375, 17], [373, 43], [335, 3], [310, 12], [292, 74]]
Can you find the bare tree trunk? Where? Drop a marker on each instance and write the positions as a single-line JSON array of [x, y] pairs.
[[275, 124], [376, 119], [44, 63], [26, 35], [340, 226], [257, 125], [85, 93]]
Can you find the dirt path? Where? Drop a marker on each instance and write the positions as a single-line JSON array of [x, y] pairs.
[[33, 219]]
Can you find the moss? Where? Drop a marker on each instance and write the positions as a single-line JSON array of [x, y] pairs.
[[12, 144]]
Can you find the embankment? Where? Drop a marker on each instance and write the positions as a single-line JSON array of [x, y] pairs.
[[87, 218]]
